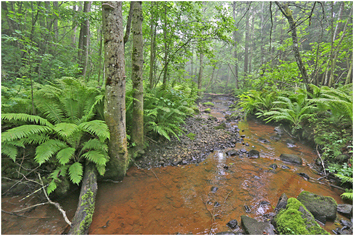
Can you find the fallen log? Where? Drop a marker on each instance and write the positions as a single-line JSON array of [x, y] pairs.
[[86, 206]]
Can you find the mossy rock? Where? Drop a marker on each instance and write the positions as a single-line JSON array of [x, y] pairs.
[[322, 208], [191, 136], [296, 219], [208, 104], [207, 110]]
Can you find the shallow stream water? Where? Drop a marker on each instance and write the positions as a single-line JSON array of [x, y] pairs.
[[197, 198]]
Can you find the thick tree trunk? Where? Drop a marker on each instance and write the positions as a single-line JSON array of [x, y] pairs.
[[137, 77], [100, 57], [86, 206], [200, 74], [166, 49], [288, 15], [235, 52], [74, 27], [115, 89]]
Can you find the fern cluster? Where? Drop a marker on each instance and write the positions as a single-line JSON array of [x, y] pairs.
[[164, 110], [63, 131]]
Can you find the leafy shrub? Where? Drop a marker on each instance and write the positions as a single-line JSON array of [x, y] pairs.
[[63, 129]]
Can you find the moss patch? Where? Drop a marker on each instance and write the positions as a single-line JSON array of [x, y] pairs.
[[191, 136], [221, 126], [208, 104], [207, 110], [296, 219]]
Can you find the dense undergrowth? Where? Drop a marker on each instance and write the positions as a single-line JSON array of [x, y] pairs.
[[323, 115], [62, 125]]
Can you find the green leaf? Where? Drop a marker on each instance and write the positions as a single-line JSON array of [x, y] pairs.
[[51, 187], [25, 118], [9, 150], [95, 144], [96, 127], [75, 172], [47, 150], [96, 157], [65, 155], [23, 131], [65, 129]]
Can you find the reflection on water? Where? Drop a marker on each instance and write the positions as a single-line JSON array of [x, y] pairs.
[[181, 200]]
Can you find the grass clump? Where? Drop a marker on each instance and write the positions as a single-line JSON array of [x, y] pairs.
[[191, 136]]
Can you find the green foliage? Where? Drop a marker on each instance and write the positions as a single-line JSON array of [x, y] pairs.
[[63, 130], [191, 136], [208, 104]]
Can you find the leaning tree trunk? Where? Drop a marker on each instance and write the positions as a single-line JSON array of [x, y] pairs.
[[137, 77], [114, 110], [86, 206], [289, 16]]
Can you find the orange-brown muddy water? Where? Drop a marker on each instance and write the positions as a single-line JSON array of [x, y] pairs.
[[179, 199]]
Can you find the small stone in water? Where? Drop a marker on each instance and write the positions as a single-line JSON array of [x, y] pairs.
[[214, 189], [232, 224], [247, 208], [285, 167], [273, 166], [216, 204]]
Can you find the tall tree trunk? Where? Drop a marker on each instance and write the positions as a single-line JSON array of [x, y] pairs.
[[55, 24], [235, 52], [87, 199], [100, 58], [137, 77], [252, 39], [86, 39], [288, 15], [115, 89], [247, 38], [262, 26], [129, 21], [165, 48], [74, 27], [200, 74], [192, 63], [347, 81], [152, 46]]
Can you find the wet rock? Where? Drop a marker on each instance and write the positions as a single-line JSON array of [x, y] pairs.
[[232, 153], [253, 227], [243, 150], [346, 223], [216, 204], [285, 167], [243, 136], [253, 154], [291, 158], [322, 208], [256, 177], [273, 166], [282, 202], [247, 209], [305, 176], [263, 140], [232, 224], [296, 219], [279, 130], [264, 203], [275, 138], [345, 209], [184, 162], [214, 189], [247, 144], [226, 167]]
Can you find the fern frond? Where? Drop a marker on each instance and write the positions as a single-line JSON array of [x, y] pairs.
[[345, 179], [48, 149], [65, 155], [75, 173], [96, 157], [347, 195], [26, 118], [96, 127], [51, 187], [23, 131], [101, 169], [95, 144], [9, 150], [50, 109], [65, 129]]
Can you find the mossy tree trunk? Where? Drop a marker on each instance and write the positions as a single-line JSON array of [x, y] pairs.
[[86, 206], [115, 89], [137, 77]]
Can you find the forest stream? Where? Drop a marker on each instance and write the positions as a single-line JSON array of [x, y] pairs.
[[197, 198]]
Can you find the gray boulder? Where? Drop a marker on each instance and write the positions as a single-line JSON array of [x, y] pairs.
[[345, 209], [253, 227], [253, 154], [322, 208], [282, 202], [291, 158]]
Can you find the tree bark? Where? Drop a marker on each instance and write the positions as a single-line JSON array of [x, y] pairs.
[[115, 89], [252, 44], [100, 57], [235, 52], [86, 206], [200, 74], [247, 38], [86, 39], [289, 16], [137, 77], [55, 24], [165, 48], [129, 21], [152, 46]]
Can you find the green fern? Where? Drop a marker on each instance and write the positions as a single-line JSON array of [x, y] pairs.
[[75, 172]]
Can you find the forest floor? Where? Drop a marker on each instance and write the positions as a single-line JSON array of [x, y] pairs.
[[203, 133]]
